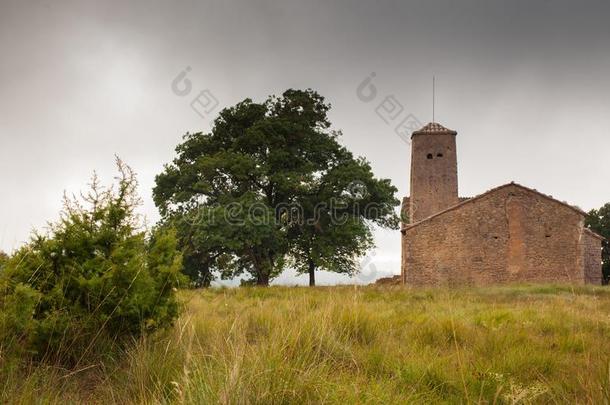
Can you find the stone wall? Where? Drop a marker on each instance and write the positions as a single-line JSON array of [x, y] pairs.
[[404, 212], [434, 181], [592, 251], [508, 235]]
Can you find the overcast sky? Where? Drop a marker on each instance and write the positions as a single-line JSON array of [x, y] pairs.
[[525, 83]]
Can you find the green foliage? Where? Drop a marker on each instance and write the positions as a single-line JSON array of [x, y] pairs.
[[339, 207], [16, 314], [231, 193], [599, 222], [3, 259], [93, 275]]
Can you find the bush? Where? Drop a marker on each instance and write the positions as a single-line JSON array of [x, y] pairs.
[[94, 275]]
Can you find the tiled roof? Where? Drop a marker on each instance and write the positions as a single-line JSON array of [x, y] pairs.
[[434, 128]]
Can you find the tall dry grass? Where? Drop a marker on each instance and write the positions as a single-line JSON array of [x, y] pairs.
[[520, 344]]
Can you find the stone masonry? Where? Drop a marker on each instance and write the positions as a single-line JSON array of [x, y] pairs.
[[434, 181], [510, 234]]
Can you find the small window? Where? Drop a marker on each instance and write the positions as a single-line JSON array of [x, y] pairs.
[[429, 156], [439, 155]]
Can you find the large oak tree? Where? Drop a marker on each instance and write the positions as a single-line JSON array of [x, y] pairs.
[[271, 185]]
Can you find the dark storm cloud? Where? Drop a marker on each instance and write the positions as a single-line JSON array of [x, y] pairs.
[[525, 83]]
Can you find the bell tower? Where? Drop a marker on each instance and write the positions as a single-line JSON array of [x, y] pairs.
[[434, 182]]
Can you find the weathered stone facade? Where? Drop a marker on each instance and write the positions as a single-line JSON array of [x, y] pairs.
[[592, 257], [434, 181], [510, 234]]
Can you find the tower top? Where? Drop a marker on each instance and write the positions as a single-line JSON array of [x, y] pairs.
[[434, 182], [434, 128]]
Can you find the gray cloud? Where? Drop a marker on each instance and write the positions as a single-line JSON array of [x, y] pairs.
[[525, 83]]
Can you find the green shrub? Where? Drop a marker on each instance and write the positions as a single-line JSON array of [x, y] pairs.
[[3, 259], [16, 314], [94, 275]]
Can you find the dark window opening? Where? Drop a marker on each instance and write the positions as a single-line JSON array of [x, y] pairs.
[[495, 237], [547, 235], [439, 155], [429, 156]]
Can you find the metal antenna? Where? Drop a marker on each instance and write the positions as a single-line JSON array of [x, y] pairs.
[[433, 96]]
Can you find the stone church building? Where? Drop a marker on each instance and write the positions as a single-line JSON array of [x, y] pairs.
[[509, 234]]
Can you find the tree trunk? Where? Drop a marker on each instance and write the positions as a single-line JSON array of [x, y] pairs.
[[262, 280], [312, 273], [262, 272]]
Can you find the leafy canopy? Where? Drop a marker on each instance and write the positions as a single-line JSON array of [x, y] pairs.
[[262, 188]]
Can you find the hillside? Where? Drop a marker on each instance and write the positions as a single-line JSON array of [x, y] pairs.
[[351, 345]]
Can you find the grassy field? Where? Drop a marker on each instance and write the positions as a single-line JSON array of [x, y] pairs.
[[350, 345]]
